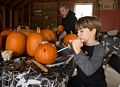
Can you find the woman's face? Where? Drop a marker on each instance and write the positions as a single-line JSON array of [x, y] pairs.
[[63, 12], [84, 34]]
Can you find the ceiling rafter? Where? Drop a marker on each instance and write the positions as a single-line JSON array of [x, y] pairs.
[[6, 2], [15, 3], [22, 4]]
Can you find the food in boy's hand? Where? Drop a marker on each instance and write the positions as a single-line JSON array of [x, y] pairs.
[[68, 38]]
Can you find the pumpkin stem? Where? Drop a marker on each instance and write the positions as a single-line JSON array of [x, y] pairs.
[[38, 30], [71, 32], [18, 28]]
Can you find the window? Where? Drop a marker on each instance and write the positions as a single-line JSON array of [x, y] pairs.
[[83, 9]]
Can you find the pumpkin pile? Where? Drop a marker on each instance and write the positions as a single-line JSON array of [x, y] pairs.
[[30, 42]]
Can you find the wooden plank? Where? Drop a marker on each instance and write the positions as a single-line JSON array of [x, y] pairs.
[[6, 2], [10, 17], [16, 18], [22, 14], [29, 12], [22, 4], [15, 2], [3, 17]]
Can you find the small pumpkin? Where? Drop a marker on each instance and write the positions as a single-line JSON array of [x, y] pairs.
[[60, 28], [68, 38], [4, 35], [26, 32], [16, 42], [6, 32], [46, 53], [33, 42], [48, 35]]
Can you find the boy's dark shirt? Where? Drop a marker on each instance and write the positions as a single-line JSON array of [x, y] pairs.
[[94, 78]]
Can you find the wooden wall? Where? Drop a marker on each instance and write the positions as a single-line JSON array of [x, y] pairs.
[[110, 19], [70, 3], [110, 15], [40, 13], [24, 13], [1, 18], [15, 14]]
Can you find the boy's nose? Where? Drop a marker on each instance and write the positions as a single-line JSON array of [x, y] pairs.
[[78, 34]]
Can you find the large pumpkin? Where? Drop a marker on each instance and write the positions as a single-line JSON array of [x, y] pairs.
[[48, 35], [16, 42], [46, 53], [68, 38], [33, 42]]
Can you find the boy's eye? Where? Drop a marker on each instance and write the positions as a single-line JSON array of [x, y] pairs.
[[81, 31]]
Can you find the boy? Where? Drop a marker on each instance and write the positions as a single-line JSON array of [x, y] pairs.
[[89, 55]]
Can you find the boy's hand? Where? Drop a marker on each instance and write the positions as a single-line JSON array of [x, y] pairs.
[[77, 44]]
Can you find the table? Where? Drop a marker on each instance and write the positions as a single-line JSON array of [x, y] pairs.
[[20, 74]]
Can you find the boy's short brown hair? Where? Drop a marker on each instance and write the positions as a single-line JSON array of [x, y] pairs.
[[89, 22]]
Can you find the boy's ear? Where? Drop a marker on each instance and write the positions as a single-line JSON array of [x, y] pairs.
[[67, 10], [94, 31]]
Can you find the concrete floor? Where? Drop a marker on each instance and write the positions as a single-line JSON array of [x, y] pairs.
[[112, 77]]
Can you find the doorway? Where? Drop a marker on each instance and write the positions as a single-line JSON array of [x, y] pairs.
[[83, 9]]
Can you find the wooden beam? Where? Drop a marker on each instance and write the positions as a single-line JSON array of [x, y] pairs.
[[3, 17], [22, 15], [1, 3], [16, 19], [29, 12], [6, 2], [22, 4], [10, 17], [15, 2]]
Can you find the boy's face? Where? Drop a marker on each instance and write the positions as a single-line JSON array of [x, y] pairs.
[[85, 34], [63, 12]]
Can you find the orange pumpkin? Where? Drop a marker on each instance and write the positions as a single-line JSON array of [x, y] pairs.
[[4, 35], [60, 28], [27, 32], [48, 35], [68, 38], [33, 42], [46, 53], [16, 42], [6, 32]]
